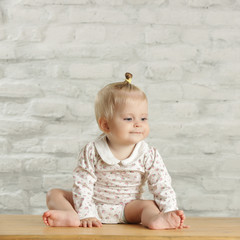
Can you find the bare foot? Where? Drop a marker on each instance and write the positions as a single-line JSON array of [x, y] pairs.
[[58, 218], [169, 220]]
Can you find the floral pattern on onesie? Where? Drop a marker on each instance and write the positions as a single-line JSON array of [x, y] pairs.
[[103, 185]]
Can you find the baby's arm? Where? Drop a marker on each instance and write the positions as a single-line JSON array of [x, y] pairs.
[[159, 182], [83, 188]]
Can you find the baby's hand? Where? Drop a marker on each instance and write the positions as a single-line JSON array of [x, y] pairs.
[[90, 222]]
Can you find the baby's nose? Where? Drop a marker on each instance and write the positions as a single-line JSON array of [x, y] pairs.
[[137, 124]]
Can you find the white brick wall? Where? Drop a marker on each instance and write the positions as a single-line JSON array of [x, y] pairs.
[[56, 54]]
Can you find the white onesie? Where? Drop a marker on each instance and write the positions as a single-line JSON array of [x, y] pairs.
[[103, 185]]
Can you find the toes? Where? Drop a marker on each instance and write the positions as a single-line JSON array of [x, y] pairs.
[[45, 217], [47, 214], [179, 212], [45, 220]]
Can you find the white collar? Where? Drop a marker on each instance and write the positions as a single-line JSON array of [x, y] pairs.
[[107, 156]]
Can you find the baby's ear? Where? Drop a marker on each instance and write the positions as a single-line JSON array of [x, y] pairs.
[[103, 125]]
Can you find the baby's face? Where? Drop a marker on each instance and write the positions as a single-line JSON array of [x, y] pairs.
[[130, 122]]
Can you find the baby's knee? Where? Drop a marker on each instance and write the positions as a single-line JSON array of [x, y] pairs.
[[52, 193], [147, 203]]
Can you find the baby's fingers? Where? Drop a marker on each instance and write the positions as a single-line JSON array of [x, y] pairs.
[[183, 226], [90, 223], [96, 223]]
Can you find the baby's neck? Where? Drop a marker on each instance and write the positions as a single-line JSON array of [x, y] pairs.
[[121, 152]]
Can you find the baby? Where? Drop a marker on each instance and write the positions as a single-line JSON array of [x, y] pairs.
[[112, 170]]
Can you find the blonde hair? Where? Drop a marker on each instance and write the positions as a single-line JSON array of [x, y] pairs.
[[115, 94]]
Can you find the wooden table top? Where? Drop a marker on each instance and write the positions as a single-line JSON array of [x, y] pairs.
[[31, 227]]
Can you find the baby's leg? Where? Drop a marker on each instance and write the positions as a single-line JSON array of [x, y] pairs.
[[61, 209], [147, 212]]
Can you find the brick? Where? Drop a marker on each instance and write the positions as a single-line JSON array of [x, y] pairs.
[[25, 34], [70, 52], [37, 210], [53, 2], [167, 71], [147, 15], [14, 200], [60, 145], [30, 145], [229, 167], [216, 184], [229, 71], [19, 90], [38, 200], [172, 53], [197, 4], [219, 55], [231, 110], [90, 34], [204, 92], [209, 202], [174, 111], [58, 14], [64, 181], [82, 110], [164, 92], [226, 37], [26, 70], [66, 165], [4, 146], [25, 14], [2, 34], [65, 89], [49, 108], [109, 2], [191, 164], [91, 71], [20, 127], [221, 18], [97, 15], [14, 109], [1, 72], [59, 34], [121, 35], [35, 52], [162, 35], [7, 51], [178, 17], [209, 3], [68, 130], [1, 16], [237, 147], [57, 71], [234, 204], [199, 37], [48, 164], [228, 128], [143, 2], [10, 164], [30, 182]]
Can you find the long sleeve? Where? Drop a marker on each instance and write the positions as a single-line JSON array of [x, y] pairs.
[[159, 182], [84, 179]]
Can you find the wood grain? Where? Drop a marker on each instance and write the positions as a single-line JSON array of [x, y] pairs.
[[31, 227]]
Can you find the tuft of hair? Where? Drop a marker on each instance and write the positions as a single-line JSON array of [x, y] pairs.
[[128, 75], [115, 94]]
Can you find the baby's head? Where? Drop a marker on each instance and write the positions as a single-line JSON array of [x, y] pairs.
[[114, 95]]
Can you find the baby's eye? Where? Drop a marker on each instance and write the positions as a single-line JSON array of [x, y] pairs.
[[128, 119], [144, 119]]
